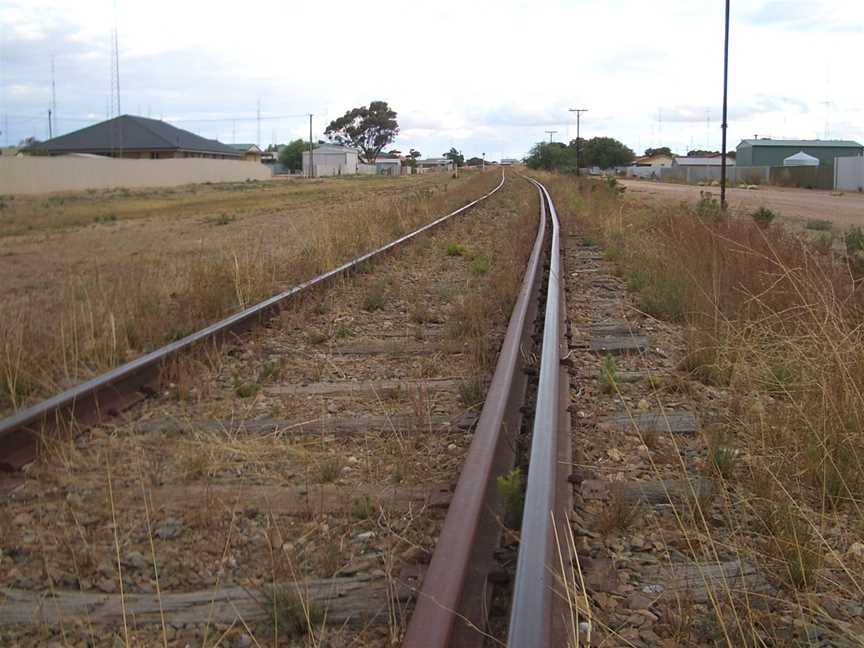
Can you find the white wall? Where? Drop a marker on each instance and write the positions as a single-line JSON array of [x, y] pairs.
[[849, 174], [329, 163], [40, 174]]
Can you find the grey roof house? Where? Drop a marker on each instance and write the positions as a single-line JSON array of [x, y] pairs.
[[129, 136]]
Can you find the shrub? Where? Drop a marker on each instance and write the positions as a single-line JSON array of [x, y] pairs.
[[763, 216], [456, 249]]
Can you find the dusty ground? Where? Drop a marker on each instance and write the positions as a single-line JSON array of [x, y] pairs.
[[96, 278], [798, 205], [243, 474], [46, 238]]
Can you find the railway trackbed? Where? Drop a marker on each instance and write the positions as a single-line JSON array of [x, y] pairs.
[[291, 483]]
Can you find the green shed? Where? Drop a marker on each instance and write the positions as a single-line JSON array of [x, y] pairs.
[[771, 152]]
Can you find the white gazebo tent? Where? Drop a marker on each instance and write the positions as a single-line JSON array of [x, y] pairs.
[[801, 159]]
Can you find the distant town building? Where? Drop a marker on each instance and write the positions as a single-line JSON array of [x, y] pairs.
[[388, 164], [248, 152], [771, 152], [442, 164], [510, 161], [330, 160], [661, 160], [717, 160], [128, 136]]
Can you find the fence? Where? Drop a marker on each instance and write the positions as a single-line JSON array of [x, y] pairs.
[[701, 173], [849, 174], [78, 172], [807, 177]]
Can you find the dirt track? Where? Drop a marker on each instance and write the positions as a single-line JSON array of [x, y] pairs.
[[795, 204]]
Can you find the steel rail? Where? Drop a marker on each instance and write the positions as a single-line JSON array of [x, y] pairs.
[[112, 391], [533, 618], [451, 604]]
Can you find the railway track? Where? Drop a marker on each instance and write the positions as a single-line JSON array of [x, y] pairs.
[[300, 475], [305, 485]]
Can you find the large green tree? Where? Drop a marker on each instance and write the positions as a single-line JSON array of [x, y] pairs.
[[552, 156], [291, 155], [663, 150], [368, 129], [604, 152], [455, 156]]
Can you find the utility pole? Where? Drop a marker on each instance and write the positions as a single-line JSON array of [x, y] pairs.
[[551, 133], [258, 141], [483, 166], [578, 112], [725, 89], [311, 151], [50, 129]]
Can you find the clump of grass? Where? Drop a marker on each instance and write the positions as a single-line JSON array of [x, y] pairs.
[[222, 219], [471, 392], [292, 616], [854, 240], [480, 265], [420, 313], [363, 508], [317, 337], [609, 374], [620, 513], [708, 206], [722, 459], [375, 297], [511, 490], [456, 249], [329, 470], [763, 217], [247, 389]]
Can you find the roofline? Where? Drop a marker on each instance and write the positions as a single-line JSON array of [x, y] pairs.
[[124, 148]]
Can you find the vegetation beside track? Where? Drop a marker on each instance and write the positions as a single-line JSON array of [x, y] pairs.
[[90, 315], [773, 331]]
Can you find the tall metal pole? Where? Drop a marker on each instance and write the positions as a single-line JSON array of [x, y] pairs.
[[551, 133], [311, 153], [50, 130], [578, 112], [725, 88]]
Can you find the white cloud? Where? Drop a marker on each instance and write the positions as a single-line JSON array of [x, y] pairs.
[[481, 76]]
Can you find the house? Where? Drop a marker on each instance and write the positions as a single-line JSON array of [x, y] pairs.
[[330, 160], [436, 164], [713, 161], [771, 152], [248, 152], [128, 136], [388, 164], [657, 161], [510, 161]]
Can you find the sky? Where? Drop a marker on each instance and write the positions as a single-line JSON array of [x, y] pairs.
[[481, 76]]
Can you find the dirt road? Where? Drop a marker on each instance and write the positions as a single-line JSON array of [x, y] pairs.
[[799, 205]]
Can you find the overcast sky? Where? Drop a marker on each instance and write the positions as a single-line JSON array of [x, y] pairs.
[[483, 76]]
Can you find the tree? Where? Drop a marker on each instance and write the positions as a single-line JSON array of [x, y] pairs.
[[455, 156], [414, 154], [552, 156], [663, 150], [474, 161], [368, 129], [605, 152], [291, 155]]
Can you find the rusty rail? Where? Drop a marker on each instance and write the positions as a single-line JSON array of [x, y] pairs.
[[451, 605], [113, 391], [537, 611]]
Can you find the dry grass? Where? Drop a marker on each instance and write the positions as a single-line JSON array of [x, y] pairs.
[[775, 322], [91, 314]]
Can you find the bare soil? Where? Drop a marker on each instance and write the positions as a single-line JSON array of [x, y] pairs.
[[797, 205]]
